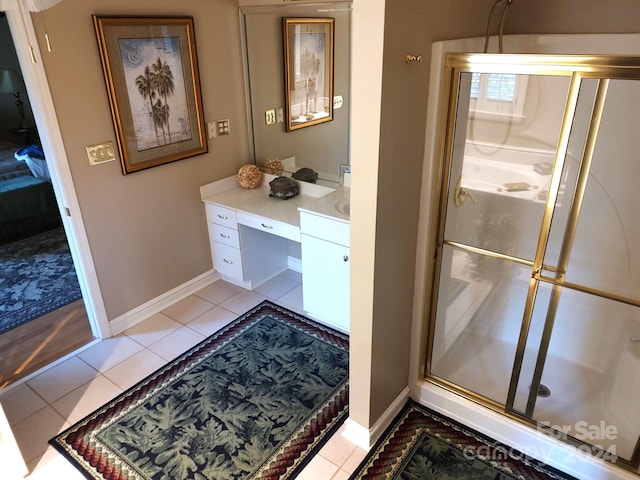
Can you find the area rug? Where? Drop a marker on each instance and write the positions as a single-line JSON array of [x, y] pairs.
[[37, 276], [254, 401], [421, 444]]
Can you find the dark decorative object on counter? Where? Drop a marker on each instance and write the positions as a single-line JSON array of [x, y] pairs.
[[306, 175], [283, 187]]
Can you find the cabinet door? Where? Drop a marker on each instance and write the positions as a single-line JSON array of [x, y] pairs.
[[325, 281]]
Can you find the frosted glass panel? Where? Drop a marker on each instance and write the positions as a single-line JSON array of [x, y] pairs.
[[606, 248], [502, 158], [478, 320]]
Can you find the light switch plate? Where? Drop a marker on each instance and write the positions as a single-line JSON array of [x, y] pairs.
[[101, 153], [211, 129]]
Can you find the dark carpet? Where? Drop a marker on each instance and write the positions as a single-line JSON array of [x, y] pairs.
[[37, 276]]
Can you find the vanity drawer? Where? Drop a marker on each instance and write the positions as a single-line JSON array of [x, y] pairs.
[[324, 228], [227, 261], [270, 226], [225, 235], [221, 215]]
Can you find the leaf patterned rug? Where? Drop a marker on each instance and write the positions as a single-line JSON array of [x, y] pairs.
[[253, 401], [421, 444], [37, 276]]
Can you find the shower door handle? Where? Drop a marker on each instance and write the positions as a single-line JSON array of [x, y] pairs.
[[460, 194]]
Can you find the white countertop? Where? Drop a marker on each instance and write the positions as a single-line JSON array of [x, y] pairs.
[[312, 198], [326, 205]]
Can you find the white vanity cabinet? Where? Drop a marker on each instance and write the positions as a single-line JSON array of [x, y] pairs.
[[250, 232], [325, 268], [224, 239]]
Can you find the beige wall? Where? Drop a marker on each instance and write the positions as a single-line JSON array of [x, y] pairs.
[[382, 312], [573, 16], [146, 230]]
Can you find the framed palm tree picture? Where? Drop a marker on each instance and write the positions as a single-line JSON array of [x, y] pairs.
[[151, 72], [308, 71]]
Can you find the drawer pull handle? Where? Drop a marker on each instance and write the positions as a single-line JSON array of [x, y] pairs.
[[268, 227], [225, 236], [223, 217], [345, 258], [227, 261]]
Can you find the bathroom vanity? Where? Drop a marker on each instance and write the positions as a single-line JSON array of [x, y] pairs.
[[255, 237]]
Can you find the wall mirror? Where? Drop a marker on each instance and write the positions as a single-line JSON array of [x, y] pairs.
[[323, 147], [538, 239]]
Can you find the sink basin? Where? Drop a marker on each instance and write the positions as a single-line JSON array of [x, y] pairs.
[[343, 207]]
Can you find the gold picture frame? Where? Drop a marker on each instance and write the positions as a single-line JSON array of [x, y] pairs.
[[151, 71], [308, 71]]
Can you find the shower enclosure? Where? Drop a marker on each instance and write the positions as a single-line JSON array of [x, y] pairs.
[[535, 307]]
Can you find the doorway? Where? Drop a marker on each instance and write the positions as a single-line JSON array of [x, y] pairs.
[[42, 311], [536, 311], [30, 61]]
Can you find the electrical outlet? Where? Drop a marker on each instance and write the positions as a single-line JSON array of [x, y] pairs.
[[279, 115], [223, 127], [270, 117], [337, 101]]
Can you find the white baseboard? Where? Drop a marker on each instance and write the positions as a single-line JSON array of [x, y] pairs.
[[366, 438], [144, 311], [294, 264]]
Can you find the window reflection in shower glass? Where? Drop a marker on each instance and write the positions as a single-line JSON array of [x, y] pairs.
[[502, 160], [606, 249], [591, 377], [479, 315]]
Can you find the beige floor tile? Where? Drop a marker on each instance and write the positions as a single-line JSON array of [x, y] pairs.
[[20, 402], [33, 433], [188, 309], [53, 466], [135, 368], [292, 300], [110, 352], [61, 379], [176, 343], [152, 329], [319, 468], [354, 460], [292, 275], [212, 321], [337, 449], [276, 287], [218, 292], [341, 475], [79, 403], [243, 301]]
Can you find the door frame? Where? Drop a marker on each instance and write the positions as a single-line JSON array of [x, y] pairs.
[[35, 79]]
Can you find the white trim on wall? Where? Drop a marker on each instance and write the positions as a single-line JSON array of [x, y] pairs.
[[30, 59], [156, 305]]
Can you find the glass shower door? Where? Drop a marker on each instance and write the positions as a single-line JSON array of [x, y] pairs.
[[500, 171], [536, 304]]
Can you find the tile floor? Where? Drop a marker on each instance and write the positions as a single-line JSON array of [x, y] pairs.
[[57, 398]]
